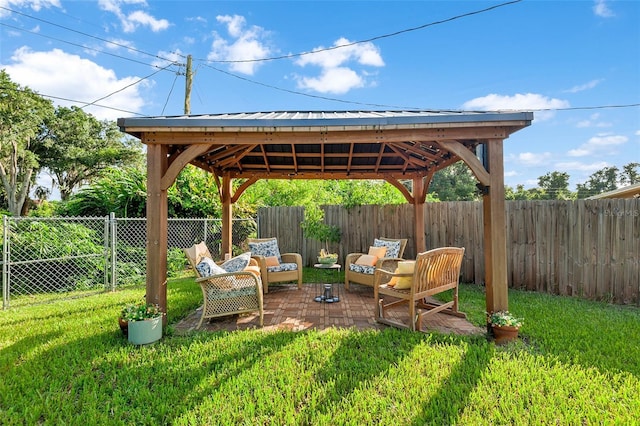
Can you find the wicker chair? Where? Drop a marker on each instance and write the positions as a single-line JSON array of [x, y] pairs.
[[287, 269], [435, 271], [228, 293], [366, 276]]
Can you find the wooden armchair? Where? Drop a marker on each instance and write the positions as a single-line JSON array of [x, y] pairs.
[[275, 267], [435, 271], [364, 275], [225, 293]]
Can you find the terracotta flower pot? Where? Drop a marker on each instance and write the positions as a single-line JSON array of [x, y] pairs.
[[504, 333], [124, 326]]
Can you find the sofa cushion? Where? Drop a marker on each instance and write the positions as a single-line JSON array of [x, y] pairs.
[[283, 267], [362, 269], [207, 267], [393, 247], [237, 263], [266, 248]]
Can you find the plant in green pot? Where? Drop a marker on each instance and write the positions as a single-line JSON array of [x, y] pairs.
[[143, 322], [505, 326]]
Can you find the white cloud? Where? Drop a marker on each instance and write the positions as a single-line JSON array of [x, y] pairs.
[[593, 121], [581, 167], [586, 86], [601, 9], [60, 74], [130, 22], [600, 145], [533, 159], [335, 76], [333, 80], [35, 5], [245, 44], [143, 18], [518, 102]]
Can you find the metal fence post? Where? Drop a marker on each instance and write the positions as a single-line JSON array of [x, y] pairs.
[[204, 233], [5, 262], [113, 255]]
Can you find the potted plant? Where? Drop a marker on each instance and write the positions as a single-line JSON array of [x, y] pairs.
[[314, 227], [143, 322], [505, 326]]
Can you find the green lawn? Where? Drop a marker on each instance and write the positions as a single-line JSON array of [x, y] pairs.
[[67, 363]]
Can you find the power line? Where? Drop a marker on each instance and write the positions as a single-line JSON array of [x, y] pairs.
[[128, 85], [124, 46], [78, 45], [326, 98], [294, 92], [70, 100], [393, 34], [169, 94]]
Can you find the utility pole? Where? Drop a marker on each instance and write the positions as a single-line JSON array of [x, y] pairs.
[[187, 87]]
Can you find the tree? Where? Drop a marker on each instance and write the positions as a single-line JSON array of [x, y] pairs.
[[630, 174], [603, 180], [454, 183], [555, 186], [122, 191], [22, 115], [79, 147], [519, 193]]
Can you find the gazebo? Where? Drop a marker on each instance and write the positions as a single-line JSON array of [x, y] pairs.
[[394, 146]]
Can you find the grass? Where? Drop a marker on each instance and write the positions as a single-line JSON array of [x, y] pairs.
[[67, 363]]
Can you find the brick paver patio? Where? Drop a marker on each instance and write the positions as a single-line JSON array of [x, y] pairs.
[[287, 308]]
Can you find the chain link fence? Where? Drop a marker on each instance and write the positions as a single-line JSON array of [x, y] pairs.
[[49, 258]]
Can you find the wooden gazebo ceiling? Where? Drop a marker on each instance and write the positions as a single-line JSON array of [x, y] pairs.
[[321, 145]]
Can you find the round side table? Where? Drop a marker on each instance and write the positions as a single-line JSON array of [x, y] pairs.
[[328, 295]]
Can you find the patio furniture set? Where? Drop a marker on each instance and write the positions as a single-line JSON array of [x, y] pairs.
[[236, 286]]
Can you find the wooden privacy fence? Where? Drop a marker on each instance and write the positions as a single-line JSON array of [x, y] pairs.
[[585, 248]]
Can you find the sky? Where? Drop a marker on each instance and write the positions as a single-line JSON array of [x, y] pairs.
[[575, 64]]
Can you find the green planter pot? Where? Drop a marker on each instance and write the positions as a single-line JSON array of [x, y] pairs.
[[146, 331]]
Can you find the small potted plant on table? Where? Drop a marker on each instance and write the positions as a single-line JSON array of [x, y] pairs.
[[143, 322], [505, 326], [314, 227]]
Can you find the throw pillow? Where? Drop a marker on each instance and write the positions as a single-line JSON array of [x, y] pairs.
[[272, 261], [367, 260], [266, 248], [378, 252], [237, 263], [403, 283], [393, 247], [207, 267]]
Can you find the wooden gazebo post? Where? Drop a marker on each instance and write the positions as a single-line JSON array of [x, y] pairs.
[[419, 197], [495, 229], [227, 215], [157, 207]]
